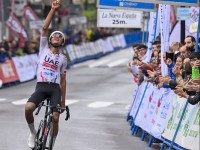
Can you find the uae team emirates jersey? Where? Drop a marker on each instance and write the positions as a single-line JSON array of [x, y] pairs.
[[50, 65]]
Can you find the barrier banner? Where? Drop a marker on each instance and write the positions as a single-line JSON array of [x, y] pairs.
[[135, 90], [34, 60], [8, 72], [174, 117], [149, 109], [24, 67], [163, 113], [188, 134], [107, 45], [71, 53], [138, 99]]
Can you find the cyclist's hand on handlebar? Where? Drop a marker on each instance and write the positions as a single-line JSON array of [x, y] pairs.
[[67, 113], [62, 106]]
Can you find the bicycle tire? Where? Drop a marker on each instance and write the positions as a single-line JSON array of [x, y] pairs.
[[38, 138], [48, 137]]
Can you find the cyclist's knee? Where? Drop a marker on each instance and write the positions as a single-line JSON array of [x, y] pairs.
[[56, 117], [30, 107]]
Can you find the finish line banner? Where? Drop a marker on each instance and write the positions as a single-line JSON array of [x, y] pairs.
[[173, 2], [126, 4]]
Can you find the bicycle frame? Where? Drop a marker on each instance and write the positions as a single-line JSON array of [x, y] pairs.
[[48, 118]]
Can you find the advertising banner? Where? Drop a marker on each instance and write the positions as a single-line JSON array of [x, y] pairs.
[[138, 99], [188, 134], [149, 109], [164, 11], [8, 72], [25, 68], [174, 117], [126, 4], [162, 113], [153, 29], [183, 13], [119, 18], [191, 23]]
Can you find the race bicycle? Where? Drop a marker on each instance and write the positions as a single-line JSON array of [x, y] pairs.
[[44, 134]]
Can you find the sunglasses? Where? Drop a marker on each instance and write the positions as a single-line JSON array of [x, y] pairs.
[[57, 35]]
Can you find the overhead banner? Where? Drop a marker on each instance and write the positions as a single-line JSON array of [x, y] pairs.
[[119, 18], [173, 2], [126, 4]]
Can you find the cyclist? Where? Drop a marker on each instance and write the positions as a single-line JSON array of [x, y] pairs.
[[51, 76]]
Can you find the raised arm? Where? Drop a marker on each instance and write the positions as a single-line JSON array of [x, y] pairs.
[[54, 6]]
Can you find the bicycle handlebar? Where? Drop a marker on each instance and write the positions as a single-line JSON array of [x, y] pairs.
[[66, 108], [67, 113]]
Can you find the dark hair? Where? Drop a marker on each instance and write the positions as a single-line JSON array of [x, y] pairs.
[[142, 46], [188, 68], [195, 55], [181, 56], [135, 45], [170, 55], [192, 38]]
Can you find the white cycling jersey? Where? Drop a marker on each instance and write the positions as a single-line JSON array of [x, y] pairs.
[[50, 65]]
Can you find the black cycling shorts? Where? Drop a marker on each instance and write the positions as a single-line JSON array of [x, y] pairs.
[[46, 90]]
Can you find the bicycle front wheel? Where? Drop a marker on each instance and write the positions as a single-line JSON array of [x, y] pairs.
[[48, 137], [39, 136]]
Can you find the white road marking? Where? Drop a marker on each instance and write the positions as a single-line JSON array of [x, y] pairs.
[[98, 63], [127, 107], [2, 99], [69, 102], [100, 104], [86, 63], [118, 62], [20, 102]]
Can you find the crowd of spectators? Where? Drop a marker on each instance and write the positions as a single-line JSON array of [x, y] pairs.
[[183, 64], [73, 36], [13, 48]]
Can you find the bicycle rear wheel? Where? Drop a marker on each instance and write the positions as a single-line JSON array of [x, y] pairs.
[[39, 135], [48, 137]]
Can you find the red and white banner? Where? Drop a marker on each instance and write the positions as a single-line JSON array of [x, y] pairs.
[[16, 26], [8, 72], [29, 14]]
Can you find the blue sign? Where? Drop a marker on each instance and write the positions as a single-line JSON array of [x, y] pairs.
[[180, 2], [172, 2], [126, 4]]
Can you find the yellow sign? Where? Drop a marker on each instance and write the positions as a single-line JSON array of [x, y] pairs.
[[193, 27]]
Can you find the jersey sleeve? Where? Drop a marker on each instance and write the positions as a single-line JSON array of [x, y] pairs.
[[63, 69], [43, 44]]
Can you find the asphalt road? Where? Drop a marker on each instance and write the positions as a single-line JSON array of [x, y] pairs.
[[98, 94]]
